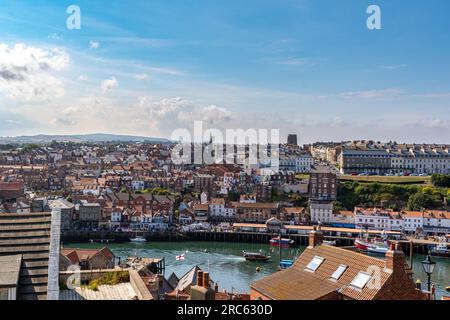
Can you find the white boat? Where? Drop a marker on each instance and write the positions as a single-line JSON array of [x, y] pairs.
[[138, 239]]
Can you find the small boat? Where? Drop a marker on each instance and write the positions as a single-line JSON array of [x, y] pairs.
[[440, 250], [283, 242], [329, 243], [285, 264], [255, 256], [378, 249], [138, 239]]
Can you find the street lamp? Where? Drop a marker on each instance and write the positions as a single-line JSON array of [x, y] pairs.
[[428, 267]]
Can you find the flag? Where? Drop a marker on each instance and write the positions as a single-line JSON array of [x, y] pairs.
[[180, 257]]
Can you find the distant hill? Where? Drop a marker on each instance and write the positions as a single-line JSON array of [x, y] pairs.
[[95, 137]]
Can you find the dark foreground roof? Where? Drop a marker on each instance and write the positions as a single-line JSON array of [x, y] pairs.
[[28, 234]]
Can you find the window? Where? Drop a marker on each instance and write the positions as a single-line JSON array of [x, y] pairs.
[[339, 271], [361, 280], [315, 263]]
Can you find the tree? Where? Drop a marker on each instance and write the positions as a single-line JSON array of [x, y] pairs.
[[441, 180], [420, 201]]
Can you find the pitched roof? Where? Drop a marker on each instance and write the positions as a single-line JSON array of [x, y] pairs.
[[188, 279], [77, 255], [297, 283], [28, 234]]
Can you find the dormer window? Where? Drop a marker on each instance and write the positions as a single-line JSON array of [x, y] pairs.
[[361, 280], [315, 263]]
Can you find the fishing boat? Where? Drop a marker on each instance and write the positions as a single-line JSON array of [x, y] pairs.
[[255, 256], [281, 242], [378, 246], [441, 250]]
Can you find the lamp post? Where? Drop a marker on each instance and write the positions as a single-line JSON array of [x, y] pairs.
[[428, 267]]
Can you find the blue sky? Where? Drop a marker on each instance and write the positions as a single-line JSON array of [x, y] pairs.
[[149, 67]]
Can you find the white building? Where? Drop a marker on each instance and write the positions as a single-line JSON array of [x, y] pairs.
[[374, 218], [298, 163], [218, 209], [412, 221], [436, 221], [321, 212]]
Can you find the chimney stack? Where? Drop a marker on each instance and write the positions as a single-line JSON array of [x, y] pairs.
[[200, 278], [202, 290], [206, 280], [315, 237], [395, 258]]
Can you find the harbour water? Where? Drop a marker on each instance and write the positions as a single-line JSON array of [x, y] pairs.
[[226, 265]]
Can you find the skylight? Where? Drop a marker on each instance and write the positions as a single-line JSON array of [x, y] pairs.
[[361, 280], [315, 263], [339, 271]]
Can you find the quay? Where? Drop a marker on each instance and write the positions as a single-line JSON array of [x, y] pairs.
[[343, 237]]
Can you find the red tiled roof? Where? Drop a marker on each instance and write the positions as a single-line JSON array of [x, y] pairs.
[[11, 186], [296, 283]]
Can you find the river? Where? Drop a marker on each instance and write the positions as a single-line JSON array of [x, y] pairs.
[[229, 269]]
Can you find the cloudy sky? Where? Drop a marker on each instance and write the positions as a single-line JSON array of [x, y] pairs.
[[310, 67]]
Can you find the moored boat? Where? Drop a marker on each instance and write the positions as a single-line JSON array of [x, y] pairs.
[[378, 246], [283, 242], [138, 239], [255, 256], [441, 250]]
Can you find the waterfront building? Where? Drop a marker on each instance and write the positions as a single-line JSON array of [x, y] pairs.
[[343, 219], [219, 209], [255, 212], [89, 214], [436, 222], [321, 211], [324, 272], [201, 212]]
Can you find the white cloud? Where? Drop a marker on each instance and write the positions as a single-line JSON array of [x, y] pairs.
[[109, 84], [27, 73], [141, 76], [393, 67], [94, 44], [82, 78], [372, 94]]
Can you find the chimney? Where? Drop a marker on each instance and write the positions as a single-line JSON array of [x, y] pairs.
[[200, 278], [315, 237], [202, 291], [395, 258], [206, 280]]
